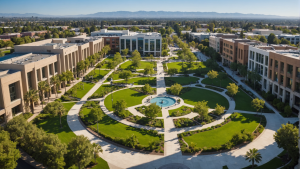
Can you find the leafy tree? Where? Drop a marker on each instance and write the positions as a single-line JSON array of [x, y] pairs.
[[172, 71], [9, 154], [136, 59], [96, 115], [152, 110], [118, 58], [80, 151], [131, 141], [253, 156], [111, 64], [233, 67], [286, 137], [212, 74], [96, 149], [147, 88], [162, 31], [16, 127], [120, 105], [125, 74], [232, 89], [201, 108], [69, 76], [192, 44], [62, 78], [272, 38], [164, 46], [257, 104], [176, 89], [219, 109], [125, 52], [263, 39], [148, 70], [288, 110], [106, 49], [164, 53], [9, 44], [80, 66], [55, 108], [31, 97]]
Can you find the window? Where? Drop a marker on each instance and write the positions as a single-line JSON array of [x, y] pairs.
[[44, 72], [298, 72], [12, 92], [128, 44], [50, 69], [280, 92], [262, 59], [271, 64], [297, 87], [290, 69], [140, 44], [265, 83], [157, 44], [297, 101], [15, 110], [29, 80], [133, 42], [107, 40], [281, 66], [276, 88], [281, 79], [266, 72], [270, 74], [289, 82], [122, 44], [250, 54], [266, 60], [256, 57], [276, 77], [55, 67], [151, 44], [276, 64]]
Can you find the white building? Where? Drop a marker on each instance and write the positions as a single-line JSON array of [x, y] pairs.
[[105, 32], [262, 32], [294, 39], [145, 43]]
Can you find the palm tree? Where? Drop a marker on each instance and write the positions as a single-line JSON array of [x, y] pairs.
[[253, 155], [47, 90], [96, 149], [31, 97], [69, 76], [60, 110], [55, 82], [63, 78], [42, 88]]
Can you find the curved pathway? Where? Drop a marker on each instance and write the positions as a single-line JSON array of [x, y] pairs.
[[122, 158]]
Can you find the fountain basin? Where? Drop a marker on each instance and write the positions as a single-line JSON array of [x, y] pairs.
[[163, 101]]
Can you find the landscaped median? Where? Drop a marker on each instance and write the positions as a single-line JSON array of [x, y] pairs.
[[130, 137], [237, 130], [140, 81], [128, 65], [169, 81]]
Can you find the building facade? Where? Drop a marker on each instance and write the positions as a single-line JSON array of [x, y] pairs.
[[230, 50]]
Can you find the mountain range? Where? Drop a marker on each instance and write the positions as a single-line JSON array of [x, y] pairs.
[[151, 14]]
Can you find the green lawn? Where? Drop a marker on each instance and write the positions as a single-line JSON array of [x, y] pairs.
[[87, 87], [131, 97], [115, 76], [180, 80], [183, 110], [192, 69], [221, 135], [127, 65], [106, 60], [193, 96], [113, 128], [272, 164], [51, 125], [98, 75], [140, 81], [216, 82], [65, 134], [243, 101]]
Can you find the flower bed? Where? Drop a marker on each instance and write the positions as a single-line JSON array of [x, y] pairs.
[[186, 122], [181, 111]]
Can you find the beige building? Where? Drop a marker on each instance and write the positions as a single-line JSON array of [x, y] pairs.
[[39, 61]]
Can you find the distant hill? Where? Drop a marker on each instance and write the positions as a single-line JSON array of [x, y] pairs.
[[152, 14]]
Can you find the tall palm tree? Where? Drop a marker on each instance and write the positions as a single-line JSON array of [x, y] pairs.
[[63, 78], [31, 97], [96, 149], [69, 76], [253, 155], [55, 82], [47, 90], [42, 87], [60, 110]]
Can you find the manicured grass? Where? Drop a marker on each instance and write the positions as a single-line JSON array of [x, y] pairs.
[[220, 136], [106, 60], [193, 96], [274, 163], [115, 76], [141, 110], [178, 65], [96, 75], [180, 80], [113, 128], [180, 111], [131, 97], [127, 65], [243, 101], [216, 82], [81, 92], [51, 125], [104, 87], [140, 81]]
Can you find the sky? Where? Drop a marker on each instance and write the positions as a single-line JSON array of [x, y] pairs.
[[76, 7]]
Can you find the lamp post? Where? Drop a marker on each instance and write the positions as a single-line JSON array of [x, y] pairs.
[[111, 83]]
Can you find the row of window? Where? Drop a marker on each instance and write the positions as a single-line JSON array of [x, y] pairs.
[[149, 43]]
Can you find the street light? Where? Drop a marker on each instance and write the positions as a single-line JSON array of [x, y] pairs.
[[111, 83]]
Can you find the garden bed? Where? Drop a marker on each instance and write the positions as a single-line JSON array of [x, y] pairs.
[[186, 122], [181, 111]]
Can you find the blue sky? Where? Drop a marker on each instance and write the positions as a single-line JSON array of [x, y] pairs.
[[74, 7]]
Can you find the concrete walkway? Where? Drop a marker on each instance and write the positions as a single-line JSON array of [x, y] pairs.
[[122, 158]]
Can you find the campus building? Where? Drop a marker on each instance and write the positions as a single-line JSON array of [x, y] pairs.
[[39, 61], [146, 43], [262, 32], [230, 50], [215, 40]]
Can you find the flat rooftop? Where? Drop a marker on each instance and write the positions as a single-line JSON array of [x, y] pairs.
[[23, 58]]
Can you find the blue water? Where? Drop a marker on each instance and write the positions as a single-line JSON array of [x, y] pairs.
[[163, 101]]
